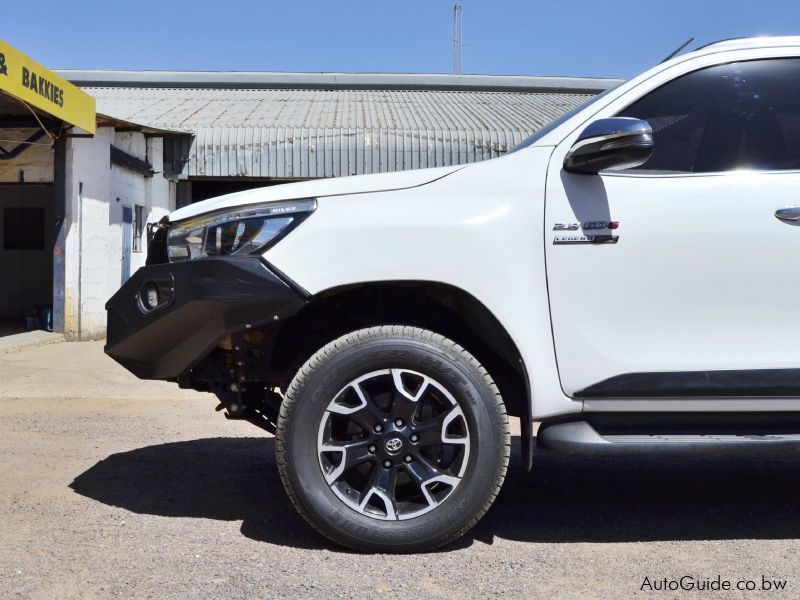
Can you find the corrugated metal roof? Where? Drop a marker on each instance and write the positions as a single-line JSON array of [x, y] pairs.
[[300, 133]]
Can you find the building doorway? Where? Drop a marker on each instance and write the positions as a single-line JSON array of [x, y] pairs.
[[26, 257]]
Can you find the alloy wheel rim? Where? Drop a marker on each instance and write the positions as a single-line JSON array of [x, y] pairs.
[[393, 444]]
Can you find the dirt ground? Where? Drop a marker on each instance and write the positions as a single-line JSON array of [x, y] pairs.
[[113, 487]]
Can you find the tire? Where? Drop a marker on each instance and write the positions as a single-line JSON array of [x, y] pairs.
[[392, 439]]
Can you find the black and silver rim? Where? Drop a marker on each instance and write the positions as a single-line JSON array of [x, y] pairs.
[[393, 444]]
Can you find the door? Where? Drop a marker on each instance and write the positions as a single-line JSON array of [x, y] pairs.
[[699, 294], [127, 239]]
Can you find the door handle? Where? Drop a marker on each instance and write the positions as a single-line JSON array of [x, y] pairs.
[[788, 214]]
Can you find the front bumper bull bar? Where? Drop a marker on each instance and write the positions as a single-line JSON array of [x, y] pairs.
[[199, 303]]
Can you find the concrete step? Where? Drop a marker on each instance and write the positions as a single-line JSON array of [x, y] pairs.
[[18, 342]]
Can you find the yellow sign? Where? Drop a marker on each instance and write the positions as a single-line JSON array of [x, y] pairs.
[[29, 81]]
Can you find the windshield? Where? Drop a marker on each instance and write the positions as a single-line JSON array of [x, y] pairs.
[[553, 124]]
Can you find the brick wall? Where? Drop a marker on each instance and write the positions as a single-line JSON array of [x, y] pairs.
[[94, 255]]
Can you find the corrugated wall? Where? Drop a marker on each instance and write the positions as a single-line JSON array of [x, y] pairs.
[[288, 152], [288, 134]]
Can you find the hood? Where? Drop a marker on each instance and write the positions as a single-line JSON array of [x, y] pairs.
[[317, 188]]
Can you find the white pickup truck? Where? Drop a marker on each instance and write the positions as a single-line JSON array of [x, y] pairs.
[[627, 277]]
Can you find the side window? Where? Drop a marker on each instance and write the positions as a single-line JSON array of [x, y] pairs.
[[743, 115]]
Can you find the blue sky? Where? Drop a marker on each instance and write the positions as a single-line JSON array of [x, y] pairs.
[[535, 37]]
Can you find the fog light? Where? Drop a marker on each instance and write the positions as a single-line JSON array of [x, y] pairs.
[[150, 296], [155, 294]]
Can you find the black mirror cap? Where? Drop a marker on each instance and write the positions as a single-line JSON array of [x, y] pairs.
[[616, 143]]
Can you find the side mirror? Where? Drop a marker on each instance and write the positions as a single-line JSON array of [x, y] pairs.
[[616, 143]]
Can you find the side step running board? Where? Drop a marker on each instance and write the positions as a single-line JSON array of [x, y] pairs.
[[581, 437]]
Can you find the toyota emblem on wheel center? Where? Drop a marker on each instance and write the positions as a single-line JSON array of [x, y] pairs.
[[393, 445]]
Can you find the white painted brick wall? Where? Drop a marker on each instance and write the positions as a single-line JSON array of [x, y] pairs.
[[94, 256], [89, 234]]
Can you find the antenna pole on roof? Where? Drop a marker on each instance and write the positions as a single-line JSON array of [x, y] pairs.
[[678, 49], [457, 37]]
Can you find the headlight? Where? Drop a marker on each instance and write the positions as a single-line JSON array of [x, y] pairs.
[[236, 232]]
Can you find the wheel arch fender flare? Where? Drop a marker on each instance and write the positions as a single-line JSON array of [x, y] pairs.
[[441, 307]]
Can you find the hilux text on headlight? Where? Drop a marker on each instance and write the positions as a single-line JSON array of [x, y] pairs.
[[241, 231]]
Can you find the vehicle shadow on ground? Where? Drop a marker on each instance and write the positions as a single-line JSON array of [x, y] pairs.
[[565, 499]]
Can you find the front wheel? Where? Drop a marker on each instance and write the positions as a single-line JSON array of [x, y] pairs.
[[392, 439]]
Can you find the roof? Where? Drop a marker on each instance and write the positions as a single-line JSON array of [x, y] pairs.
[[253, 125], [350, 81], [124, 125]]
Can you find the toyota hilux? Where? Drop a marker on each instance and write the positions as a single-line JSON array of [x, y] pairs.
[[625, 279]]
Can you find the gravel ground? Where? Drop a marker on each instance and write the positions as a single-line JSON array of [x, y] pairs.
[[112, 487]]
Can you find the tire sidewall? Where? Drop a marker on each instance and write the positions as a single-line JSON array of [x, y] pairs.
[[484, 420]]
